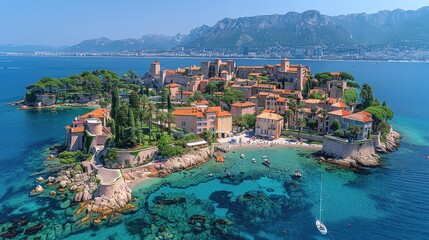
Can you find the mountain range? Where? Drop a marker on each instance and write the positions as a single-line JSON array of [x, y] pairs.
[[397, 27]]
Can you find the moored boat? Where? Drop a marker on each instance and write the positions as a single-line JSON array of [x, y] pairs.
[[253, 160], [267, 162], [298, 174], [242, 155]]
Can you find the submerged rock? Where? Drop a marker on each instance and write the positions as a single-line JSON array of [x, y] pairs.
[[33, 229], [65, 204]]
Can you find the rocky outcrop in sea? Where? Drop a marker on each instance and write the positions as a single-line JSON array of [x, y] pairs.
[[393, 141]]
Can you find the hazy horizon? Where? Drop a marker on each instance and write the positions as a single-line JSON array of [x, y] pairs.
[[51, 23]]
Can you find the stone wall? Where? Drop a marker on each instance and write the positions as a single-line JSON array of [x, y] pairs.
[[303, 135], [133, 158], [362, 152]]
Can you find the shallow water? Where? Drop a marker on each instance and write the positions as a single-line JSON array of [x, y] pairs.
[[390, 203]]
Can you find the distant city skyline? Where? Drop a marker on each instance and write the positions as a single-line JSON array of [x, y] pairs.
[[61, 23]]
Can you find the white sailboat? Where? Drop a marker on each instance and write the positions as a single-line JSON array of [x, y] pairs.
[[319, 224]]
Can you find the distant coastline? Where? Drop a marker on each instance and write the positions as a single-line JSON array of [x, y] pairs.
[[210, 57]]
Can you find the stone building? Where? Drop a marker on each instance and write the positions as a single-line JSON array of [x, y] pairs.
[[269, 125]]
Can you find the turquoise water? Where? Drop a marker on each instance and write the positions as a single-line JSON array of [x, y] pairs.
[[389, 203]]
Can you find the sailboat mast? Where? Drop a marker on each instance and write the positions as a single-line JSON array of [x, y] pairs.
[[320, 206]]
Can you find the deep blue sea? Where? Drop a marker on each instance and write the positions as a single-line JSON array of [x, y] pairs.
[[392, 202]]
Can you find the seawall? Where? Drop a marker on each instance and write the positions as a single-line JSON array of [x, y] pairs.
[[353, 154]]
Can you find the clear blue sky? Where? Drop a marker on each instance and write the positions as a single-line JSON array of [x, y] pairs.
[[67, 22]]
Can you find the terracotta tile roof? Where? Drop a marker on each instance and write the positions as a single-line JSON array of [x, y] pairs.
[[359, 116], [78, 129], [188, 93], [254, 74], [331, 100], [306, 110], [214, 109], [97, 113], [172, 85], [243, 104], [339, 104], [366, 113], [217, 93], [311, 101], [202, 102], [187, 111], [68, 127], [271, 116], [335, 74], [264, 93], [223, 114], [280, 99], [292, 69], [252, 67], [339, 112]]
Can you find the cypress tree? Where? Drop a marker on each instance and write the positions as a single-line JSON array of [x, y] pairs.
[[115, 103], [135, 103], [168, 101], [130, 137]]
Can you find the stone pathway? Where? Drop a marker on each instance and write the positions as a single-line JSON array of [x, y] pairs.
[[107, 176]]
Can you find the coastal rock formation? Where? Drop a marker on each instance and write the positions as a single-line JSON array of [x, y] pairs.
[[392, 143], [189, 160], [111, 198]]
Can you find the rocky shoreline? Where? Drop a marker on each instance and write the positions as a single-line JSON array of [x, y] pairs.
[[190, 160], [84, 202], [362, 160]]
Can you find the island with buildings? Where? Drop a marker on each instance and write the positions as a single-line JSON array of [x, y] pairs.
[[171, 120]]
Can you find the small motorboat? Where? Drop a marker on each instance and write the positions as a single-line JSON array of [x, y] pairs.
[[264, 156], [228, 174], [211, 175], [298, 174], [253, 160], [266, 162], [242, 155]]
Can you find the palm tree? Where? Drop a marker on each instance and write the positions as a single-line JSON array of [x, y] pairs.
[[294, 107], [239, 120], [288, 113], [181, 93], [170, 118], [150, 111], [160, 119], [301, 123]]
